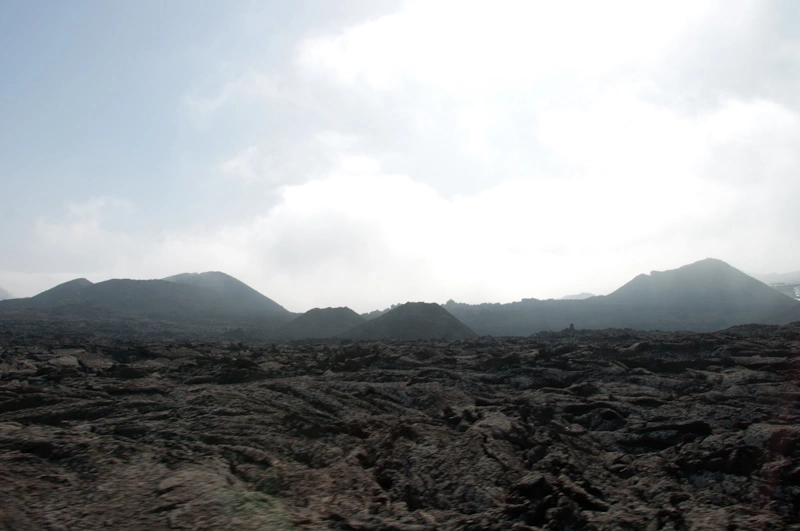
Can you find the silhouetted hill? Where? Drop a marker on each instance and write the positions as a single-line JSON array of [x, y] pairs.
[[231, 288], [62, 292], [141, 306], [779, 278], [578, 297], [320, 323], [377, 313], [709, 283], [5, 295], [704, 296], [413, 320]]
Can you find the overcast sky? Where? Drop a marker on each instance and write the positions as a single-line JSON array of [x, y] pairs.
[[334, 153]]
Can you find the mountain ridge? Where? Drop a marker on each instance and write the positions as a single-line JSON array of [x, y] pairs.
[[706, 295]]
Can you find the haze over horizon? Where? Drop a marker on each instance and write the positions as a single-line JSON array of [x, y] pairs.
[[382, 152]]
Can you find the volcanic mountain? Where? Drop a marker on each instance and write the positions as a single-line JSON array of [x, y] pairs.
[[413, 320], [61, 294], [704, 296], [232, 289], [151, 304], [709, 283], [320, 323]]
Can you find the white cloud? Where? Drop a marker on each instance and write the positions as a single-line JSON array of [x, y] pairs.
[[251, 85], [244, 166], [486, 153], [366, 239], [472, 45], [84, 228]]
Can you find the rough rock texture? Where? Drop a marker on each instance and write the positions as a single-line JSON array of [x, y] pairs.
[[574, 430]]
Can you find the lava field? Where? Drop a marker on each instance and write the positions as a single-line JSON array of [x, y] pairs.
[[609, 429]]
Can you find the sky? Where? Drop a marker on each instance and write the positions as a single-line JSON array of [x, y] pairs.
[[366, 153]]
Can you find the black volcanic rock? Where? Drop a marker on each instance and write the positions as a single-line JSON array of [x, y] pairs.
[[320, 323], [595, 430], [413, 320]]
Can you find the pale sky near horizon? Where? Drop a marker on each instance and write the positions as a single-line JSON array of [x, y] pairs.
[[365, 153]]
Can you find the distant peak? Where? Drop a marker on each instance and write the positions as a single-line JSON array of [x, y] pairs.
[[204, 274]]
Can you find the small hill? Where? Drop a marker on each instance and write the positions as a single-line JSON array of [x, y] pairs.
[[413, 320], [5, 295], [578, 297], [230, 287], [321, 323]]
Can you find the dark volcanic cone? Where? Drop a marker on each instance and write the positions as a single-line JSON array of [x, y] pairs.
[[321, 323], [230, 287], [413, 320]]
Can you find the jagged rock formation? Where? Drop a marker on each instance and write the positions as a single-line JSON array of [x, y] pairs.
[[320, 323], [613, 429], [413, 320]]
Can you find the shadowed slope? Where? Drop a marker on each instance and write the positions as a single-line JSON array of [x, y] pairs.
[[413, 320]]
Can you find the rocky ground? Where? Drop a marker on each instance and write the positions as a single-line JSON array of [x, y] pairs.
[[611, 429]]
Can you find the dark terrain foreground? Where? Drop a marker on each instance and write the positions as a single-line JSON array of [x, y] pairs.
[[611, 429]]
